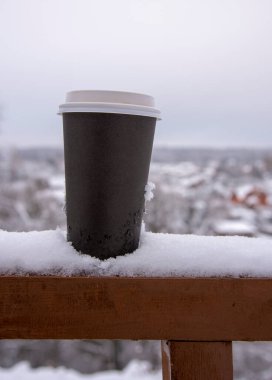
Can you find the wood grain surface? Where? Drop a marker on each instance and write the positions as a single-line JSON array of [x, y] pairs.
[[197, 360], [136, 308]]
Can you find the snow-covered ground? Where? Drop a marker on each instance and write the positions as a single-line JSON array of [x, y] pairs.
[[201, 197], [48, 252], [135, 370], [251, 362]]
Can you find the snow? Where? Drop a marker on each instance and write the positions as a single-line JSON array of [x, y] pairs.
[[252, 361], [135, 370], [244, 190], [234, 227], [159, 255], [244, 214], [149, 191]]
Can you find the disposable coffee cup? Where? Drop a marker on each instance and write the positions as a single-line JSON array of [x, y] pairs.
[[108, 138]]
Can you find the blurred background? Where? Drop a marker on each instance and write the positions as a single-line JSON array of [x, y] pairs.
[[209, 67]]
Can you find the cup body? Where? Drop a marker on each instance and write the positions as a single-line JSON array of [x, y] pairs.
[[107, 159]]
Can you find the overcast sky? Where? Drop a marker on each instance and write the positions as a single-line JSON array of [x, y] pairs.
[[207, 63]]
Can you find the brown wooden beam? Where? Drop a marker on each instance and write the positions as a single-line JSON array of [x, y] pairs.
[[191, 309], [197, 360]]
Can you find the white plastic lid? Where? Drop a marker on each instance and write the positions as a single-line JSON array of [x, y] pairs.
[[121, 102]]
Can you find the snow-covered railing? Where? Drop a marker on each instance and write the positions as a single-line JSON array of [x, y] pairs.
[[196, 316]]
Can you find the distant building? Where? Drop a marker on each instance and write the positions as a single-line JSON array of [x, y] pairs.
[[250, 196]]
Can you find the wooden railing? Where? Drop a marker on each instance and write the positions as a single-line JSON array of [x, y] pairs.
[[195, 318]]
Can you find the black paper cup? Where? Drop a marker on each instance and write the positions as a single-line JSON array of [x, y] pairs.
[[107, 158]]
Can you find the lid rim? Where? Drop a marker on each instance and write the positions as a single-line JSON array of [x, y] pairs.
[[107, 101], [126, 109]]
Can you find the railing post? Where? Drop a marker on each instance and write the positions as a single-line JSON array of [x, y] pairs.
[[197, 360]]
